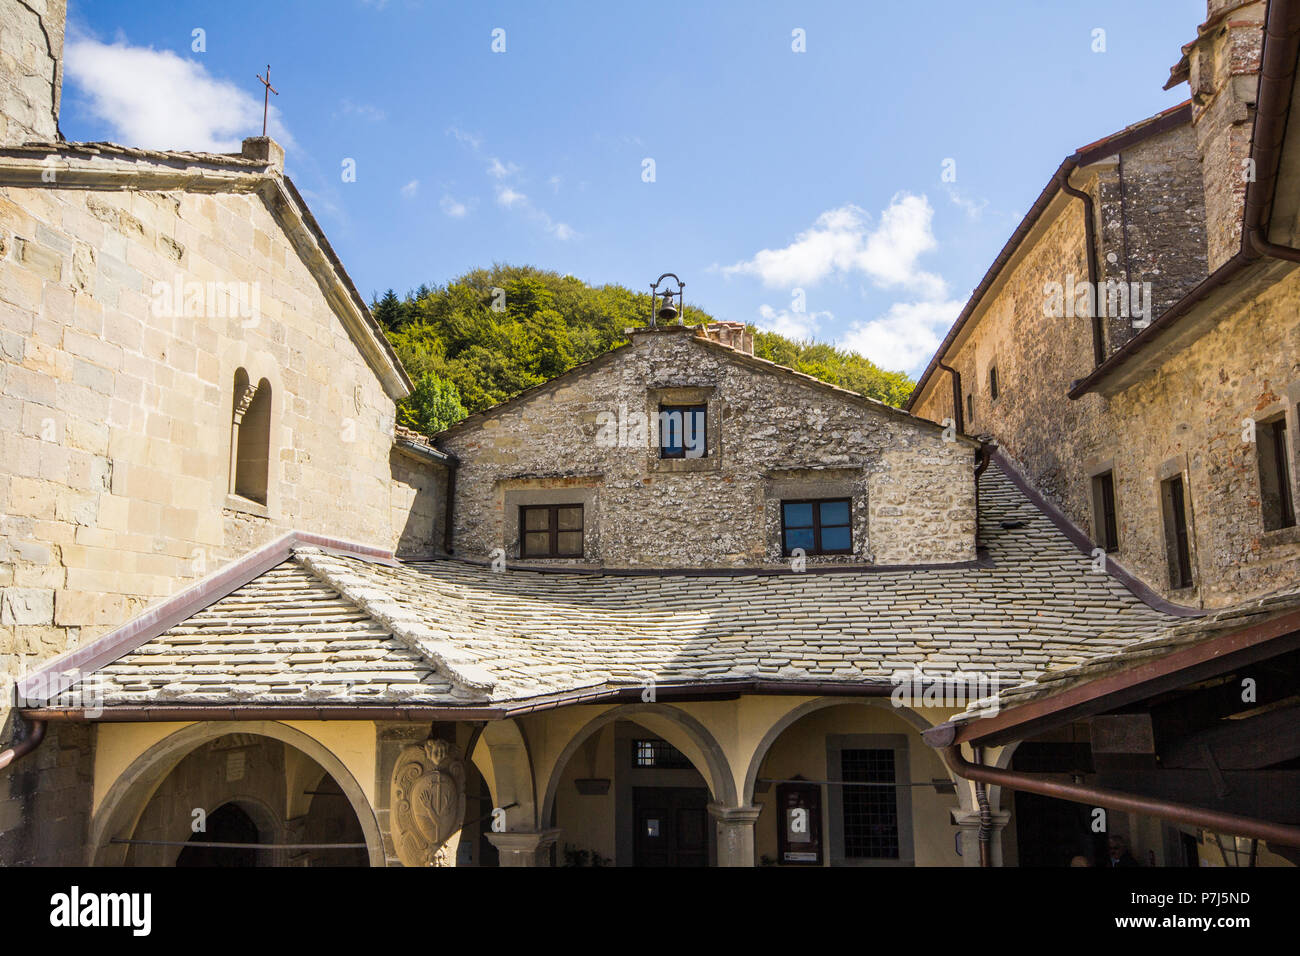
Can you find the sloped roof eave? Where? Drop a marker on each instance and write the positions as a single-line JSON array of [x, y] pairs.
[[108, 166]]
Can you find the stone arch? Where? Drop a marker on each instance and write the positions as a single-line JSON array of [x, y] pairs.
[[792, 716], [716, 771], [245, 366], [250, 440], [133, 788], [507, 769]]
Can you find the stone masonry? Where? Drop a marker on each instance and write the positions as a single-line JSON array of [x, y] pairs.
[[31, 69], [912, 491]]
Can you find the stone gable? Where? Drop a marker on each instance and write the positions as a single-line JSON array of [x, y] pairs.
[[772, 434]]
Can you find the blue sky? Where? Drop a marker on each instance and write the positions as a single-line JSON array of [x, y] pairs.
[[773, 170]]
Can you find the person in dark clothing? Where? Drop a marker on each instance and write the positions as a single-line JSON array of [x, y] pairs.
[[1119, 854]]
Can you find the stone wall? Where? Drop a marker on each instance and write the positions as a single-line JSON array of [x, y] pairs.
[[419, 494], [1224, 78], [31, 69], [115, 480], [1186, 418], [45, 799], [1150, 211], [771, 435]]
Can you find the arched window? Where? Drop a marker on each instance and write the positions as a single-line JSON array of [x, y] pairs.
[[250, 438]]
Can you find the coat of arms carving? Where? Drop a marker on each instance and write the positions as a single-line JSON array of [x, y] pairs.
[[428, 802]]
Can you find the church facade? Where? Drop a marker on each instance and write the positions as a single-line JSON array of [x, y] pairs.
[[679, 606]]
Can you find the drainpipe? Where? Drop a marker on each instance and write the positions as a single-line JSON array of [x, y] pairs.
[[986, 815], [957, 418], [1219, 822], [21, 749], [1276, 70], [450, 504], [1090, 238]]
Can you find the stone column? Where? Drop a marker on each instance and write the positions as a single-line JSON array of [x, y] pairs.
[[525, 847], [735, 828], [968, 826]]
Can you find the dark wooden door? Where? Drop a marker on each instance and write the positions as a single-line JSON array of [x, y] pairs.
[[672, 826]]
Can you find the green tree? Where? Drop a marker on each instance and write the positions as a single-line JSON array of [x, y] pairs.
[[434, 404], [491, 333]]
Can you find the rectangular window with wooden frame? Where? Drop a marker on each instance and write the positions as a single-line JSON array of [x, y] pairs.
[[550, 531], [1177, 544], [1276, 503], [1105, 523], [818, 526], [683, 431]]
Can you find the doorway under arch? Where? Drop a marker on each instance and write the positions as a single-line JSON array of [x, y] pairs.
[[286, 783]]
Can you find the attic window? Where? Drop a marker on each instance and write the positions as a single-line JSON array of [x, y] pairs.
[[683, 431], [250, 438]]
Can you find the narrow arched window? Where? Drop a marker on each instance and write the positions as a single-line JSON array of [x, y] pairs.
[[250, 438]]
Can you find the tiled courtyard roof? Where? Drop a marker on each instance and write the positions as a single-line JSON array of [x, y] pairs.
[[330, 627], [1166, 641]]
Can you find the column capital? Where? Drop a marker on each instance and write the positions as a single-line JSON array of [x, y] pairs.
[[735, 828], [525, 847], [734, 815]]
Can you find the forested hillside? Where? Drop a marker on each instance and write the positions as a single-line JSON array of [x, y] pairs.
[[467, 347]]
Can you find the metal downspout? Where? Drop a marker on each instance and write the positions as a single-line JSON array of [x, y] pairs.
[[1226, 823], [986, 815], [958, 419], [21, 749], [1090, 239]]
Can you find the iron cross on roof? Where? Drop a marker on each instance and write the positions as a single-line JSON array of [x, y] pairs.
[[266, 97]]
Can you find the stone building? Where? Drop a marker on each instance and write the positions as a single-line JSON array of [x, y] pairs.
[[678, 606]]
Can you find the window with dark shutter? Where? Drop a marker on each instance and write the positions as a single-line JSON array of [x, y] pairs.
[[1177, 544], [1276, 503], [550, 531], [1105, 522]]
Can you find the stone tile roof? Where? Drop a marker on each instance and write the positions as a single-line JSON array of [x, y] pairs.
[[1165, 641], [282, 637], [115, 151], [327, 626]]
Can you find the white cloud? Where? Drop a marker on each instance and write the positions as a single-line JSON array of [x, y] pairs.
[[972, 207], [793, 325], [904, 337], [410, 190], [509, 197], [471, 140], [845, 240], [364, 111], [156, 99], [454, 209]]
